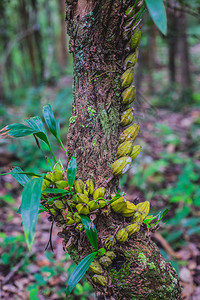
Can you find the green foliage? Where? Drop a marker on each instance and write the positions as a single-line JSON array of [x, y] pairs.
[[13, 249], [52, 124], [149, 220], [85, 263], [30, 207], [21, 178], [80, 271], [31, 194], [90, 231], [44, 278], [36, 127], [28, 102], [71, 171], [158, 14]]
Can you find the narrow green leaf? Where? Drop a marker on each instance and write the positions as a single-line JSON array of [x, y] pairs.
[[71, 171], [52, 124], [157, 11], [30, 208], [3, 174], [90, 231], [55, 191], [117, 196], [36, 124], [58, 129], [16, 130], [42, 208], [148, 220], [50, 163], [160, 218], [79, 272], [21, 178], [30, 174]]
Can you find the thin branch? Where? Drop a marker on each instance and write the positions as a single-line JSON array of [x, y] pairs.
[[186, 10], [17, 267], [166, 245], [12, 43]]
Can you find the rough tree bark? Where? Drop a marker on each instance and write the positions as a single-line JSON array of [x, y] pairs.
[[95, 29]]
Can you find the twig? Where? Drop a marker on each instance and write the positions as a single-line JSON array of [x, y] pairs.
[[166, 245], [16, 268], [109, 179], [12, 43], [188, 10], [50, 238]]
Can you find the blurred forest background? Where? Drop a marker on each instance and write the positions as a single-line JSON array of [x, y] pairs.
[[35, 69]]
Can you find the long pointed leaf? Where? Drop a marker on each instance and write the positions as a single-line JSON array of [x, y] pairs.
[[90, 231], [58, 129], [30, 208], [52, 124], [79, 272], [71, 171], [21, 178], [162, 214], [157, 11], [36, 124], [16, 130], [55, 191]]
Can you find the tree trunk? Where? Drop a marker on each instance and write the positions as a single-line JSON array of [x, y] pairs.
[[23, 10], [62, 41], [96, 29], [185, 75], [38, 39], [151, 55], [172, 44]]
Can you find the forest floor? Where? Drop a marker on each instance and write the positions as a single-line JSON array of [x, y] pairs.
[[170, 146]]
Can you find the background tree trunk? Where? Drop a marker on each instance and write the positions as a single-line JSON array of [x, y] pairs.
[[95, 29], [23, 11], [38, 40], [185, 75], [172, 44], [62, 42]]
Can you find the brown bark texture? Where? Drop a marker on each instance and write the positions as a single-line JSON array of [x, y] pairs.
[[96, 30]]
